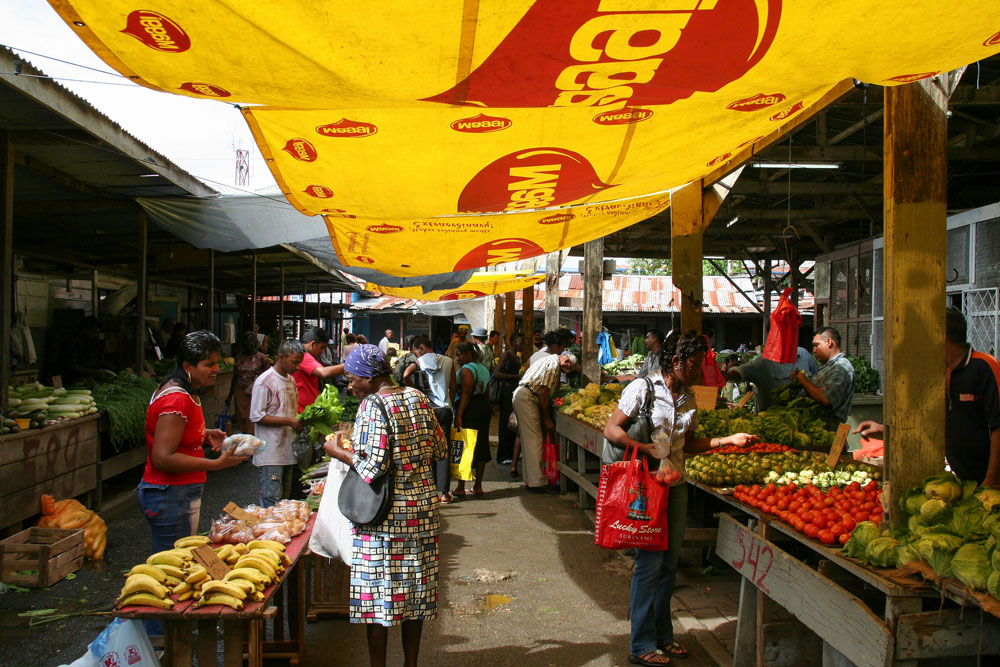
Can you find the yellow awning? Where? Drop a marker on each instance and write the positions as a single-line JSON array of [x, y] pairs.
[[480, 284]]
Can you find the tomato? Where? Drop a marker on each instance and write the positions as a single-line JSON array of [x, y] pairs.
[[795, 505], [807, 515], [843, 537], [820, 521], [825, 536], [836, 528], [868, 506], [871, 486], [860, 516], [854, 487], [848, 523], [835, 491], [782, 504], [811, 531]]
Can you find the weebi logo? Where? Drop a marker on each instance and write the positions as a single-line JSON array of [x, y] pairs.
[[603, 52], [157, 31], [790, 111], [301, 150], [318, 191], [910, 78], [556, 219], [205, 89], [384, 229], [528, 179], [499, 251], [481, 124], [345, 128], [462, 294], [757, 102], [625, 116], [992, 40]]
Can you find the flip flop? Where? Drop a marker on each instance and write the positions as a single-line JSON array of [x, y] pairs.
[[674, 650], [644, 659], [480, 492]]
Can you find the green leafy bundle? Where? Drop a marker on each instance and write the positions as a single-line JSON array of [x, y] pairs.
[[323, 415], [125, 399], [866, 378]]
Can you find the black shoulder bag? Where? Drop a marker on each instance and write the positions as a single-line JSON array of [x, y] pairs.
[[640, 430], [367, 504]]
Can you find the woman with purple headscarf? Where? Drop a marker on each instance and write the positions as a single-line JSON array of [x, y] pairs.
[[394, 569]]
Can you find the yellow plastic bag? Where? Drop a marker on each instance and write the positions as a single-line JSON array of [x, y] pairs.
[[462, 446]]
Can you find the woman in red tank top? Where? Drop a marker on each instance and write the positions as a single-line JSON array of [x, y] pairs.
[[172, 483]]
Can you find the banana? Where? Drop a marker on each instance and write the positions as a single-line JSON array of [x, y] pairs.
[[184, 553], [247, 586], [166, 558], [150, 570], [267, 544], [254, 575], [258, 564], [186, 595], [225, 588], [182, 588], [240, 548], [261, 559], [233, 557], [257, 596], [143, 583], [191, 542], [271, 556], [173, 582], [224, 551], [196, 574], [145, 599], [171, 571], [219, 598]]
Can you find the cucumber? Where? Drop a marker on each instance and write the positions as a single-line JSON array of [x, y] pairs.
[[13, 402], [70, 400], [61, 391]]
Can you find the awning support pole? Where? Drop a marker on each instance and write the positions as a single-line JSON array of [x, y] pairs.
[[211, 290], [6, 258], [552, 291], [593, 299], [142, 287]]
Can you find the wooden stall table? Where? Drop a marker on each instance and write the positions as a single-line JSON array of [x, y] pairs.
[[580, 447], [248, 624]]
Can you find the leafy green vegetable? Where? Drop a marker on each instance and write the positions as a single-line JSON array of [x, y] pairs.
[[125, 399], [913, 501], [863, 534], [323, 415], [906, 553], [971, 566], [988, 497], [934, 511], [881, 552], [944, 486], [866, 378], [993, 584]]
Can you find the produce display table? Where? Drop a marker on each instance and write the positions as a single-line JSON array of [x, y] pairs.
[[60, 459], [283, 600], [580, 447]]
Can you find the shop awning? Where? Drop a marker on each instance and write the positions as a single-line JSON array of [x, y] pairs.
[[484, 283], [444, 135]]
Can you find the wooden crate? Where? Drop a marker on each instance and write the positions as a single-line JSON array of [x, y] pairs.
[[51, 552], [328, 587]]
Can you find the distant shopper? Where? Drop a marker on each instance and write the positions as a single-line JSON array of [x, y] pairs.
[[537, 340], [173, 343], [508, 369], [273, 408], [833, 384], [440, 373], [484, 351], [386, 339], [767, 375], [474, 411], [554, 343], [310, 370], [654, 343], [351, 342], [248, 364], [456, 340]]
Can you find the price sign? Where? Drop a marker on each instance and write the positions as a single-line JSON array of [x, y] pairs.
[[705, 397], [838, 445], [238, 513], [207, 557]]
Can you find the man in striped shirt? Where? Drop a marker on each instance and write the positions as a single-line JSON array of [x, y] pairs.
[[533, 406]]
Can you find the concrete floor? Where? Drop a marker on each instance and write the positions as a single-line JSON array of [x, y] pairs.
[[568, 600]]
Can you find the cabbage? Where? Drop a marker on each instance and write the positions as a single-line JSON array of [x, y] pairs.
[[995, 560], [912, 502], [988, 497], [971, 566], [969, 487], [905, 553], [992, 525], [916, 524], [936, 550], [944, 486], [934, 511], [864, 532], [968, 522], [881, 552], [993, 584]]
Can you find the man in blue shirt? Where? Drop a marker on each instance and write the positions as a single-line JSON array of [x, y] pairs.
[[832, 386]]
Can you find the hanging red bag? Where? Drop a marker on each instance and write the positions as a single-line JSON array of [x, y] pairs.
[[711, 374], [783, 338], [631, 507], [551, 456]]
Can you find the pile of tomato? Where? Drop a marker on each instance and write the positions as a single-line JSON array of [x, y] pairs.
[[758, 448], [828, 517]]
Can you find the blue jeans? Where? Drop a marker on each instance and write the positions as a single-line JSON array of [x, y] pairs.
[[275, 483], [171, 510], [653, 582]]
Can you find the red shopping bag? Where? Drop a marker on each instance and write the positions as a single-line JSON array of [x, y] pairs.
[[783, 338], [631, 507], [711, 374], [551, 454]]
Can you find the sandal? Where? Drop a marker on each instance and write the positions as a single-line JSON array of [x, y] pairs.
[[652, 659], [674, 650], [446, 499]]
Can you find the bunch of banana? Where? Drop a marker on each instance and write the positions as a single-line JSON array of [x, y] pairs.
[[145, 587], [251, 579], [272, 545], [229, 553]]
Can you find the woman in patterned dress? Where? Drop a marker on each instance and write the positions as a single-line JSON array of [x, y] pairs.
[[394, 570]]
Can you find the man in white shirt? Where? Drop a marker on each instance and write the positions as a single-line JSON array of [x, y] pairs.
[[273, 410], [386, 339], [554, 344]]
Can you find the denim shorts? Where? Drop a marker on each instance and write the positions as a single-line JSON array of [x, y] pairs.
[[171, 510]]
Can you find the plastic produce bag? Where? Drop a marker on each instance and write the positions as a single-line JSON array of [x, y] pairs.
[[631, 507], [70, 514], [462, 447], [124, 643], [551, 455], [783, 338], [245, 444], [332, 535]]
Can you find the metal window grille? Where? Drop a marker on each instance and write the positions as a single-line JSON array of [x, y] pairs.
[[980, 307]]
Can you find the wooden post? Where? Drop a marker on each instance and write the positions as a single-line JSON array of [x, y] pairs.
[[6, 257], [211, 290], [528, 308], [593, 298], [692, 207], [915, 173], [498, 320], [95, 296], [510, 324], [552, 274], [767, 299], [305, 296], [281, 305], [253, 288], [140, 297]]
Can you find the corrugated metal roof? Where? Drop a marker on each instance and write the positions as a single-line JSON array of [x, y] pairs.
[[632, 294]]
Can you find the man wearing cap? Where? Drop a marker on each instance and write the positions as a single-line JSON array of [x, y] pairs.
[[386, 339], [533, 406], [486, 357]]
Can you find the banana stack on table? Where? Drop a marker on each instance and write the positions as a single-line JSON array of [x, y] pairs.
[[174, 575]]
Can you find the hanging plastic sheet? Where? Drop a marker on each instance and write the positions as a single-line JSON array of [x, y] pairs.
[[481, 284]]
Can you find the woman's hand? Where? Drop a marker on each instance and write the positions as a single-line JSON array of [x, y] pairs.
[[229, 459], [335, 448], [739, 440], [458, 422], [214, 438]]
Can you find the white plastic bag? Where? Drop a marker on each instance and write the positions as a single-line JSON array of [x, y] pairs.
[[333, 535], [245, 444], [124, 643]]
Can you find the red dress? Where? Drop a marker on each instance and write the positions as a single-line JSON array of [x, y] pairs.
[[176, 401]]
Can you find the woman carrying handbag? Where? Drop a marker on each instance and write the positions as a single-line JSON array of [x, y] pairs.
[[673, 419], [394, 565]]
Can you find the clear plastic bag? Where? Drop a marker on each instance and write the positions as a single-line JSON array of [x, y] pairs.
[[245, 444]]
